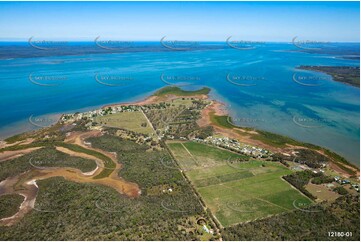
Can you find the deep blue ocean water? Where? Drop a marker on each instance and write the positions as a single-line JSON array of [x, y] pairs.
[[260, 90]]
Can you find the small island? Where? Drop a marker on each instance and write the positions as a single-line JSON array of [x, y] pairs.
[[174, 90]]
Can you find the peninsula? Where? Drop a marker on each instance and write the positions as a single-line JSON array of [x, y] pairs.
[[176, 163]]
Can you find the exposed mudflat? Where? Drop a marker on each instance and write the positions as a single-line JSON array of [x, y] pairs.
[[25, 183]]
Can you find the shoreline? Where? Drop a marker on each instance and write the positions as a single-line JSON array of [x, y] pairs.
[[336, 73], [220, 109], [24, 126]]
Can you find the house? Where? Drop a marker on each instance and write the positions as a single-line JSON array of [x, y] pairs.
[[297, 168], [356, 187], [330, 185], [206, 229]]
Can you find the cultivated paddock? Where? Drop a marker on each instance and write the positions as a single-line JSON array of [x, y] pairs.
[[237, 191]]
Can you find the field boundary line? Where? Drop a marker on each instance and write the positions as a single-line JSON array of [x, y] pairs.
[[213, 219], [195, 160], [260, 199], [295, 188], [253, 197], [145, 116]]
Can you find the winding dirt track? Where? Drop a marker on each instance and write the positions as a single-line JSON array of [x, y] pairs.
[[25, 183]]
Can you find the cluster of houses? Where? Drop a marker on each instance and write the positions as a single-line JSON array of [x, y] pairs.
[[302, 167], [90, 115], [345, 181], [172, 137], [234, 145]]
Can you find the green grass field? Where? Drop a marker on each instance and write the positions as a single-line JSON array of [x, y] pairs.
[[126, 120], [237, 192], [198, 156]]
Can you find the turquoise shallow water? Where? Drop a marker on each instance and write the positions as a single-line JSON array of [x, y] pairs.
[[260, 90]]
